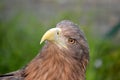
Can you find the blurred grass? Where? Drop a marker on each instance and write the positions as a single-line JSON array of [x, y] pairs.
[[19, 43]]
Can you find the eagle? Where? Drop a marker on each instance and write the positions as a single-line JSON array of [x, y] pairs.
[[64, 56]]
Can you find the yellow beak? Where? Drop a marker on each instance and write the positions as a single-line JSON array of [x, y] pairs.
[[51, 35]]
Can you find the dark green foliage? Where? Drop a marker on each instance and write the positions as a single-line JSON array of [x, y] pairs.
[[113, 31], [19, 42], [109, 54]]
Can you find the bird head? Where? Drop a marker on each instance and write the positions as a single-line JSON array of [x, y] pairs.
[[67, 36]]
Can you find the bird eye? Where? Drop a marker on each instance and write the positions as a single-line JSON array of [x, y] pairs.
[[71, 40], [58, 33]]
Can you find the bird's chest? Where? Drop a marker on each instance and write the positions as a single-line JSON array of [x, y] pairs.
[[52, 69], [55, 69]]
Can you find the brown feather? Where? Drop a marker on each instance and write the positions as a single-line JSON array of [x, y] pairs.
[[53, 64]]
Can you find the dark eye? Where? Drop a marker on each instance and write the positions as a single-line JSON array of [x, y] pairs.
[[58, 33], [71, 40]]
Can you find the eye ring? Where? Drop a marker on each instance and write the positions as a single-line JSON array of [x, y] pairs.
[[71, 40]]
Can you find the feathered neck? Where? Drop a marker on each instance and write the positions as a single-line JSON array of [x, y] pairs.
[[54, 64]]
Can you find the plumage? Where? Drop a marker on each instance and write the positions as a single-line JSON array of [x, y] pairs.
[[64, 56]]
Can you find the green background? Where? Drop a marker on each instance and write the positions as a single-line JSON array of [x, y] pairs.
[[22, 26]]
